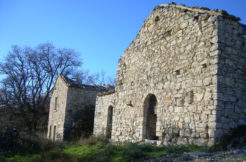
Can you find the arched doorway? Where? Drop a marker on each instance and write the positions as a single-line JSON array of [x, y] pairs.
[[150, 118], [109, 122]]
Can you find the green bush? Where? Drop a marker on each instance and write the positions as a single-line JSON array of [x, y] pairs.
[[148, 147], [2, 159], [132, 151], [185, 148], [58, 156], [105, 154], [92, 140]]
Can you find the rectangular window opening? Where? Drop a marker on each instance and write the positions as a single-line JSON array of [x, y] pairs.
[[54, 133], [50, 132], [177, 72], [204, 66], [56, 103]]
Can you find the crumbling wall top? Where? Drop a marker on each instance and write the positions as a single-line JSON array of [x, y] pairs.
[[184, 8], [106, 93], [73, 84]]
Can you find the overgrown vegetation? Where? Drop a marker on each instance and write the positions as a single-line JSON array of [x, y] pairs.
[[90, 149], [23, 147]]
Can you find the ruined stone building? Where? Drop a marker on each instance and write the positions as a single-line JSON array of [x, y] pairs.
[[71, 104], [181, 80]]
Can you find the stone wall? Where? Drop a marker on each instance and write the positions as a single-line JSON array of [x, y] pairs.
[[57, 116], [103, 103], [171, 59], [77, 100], [231, 87], [192, 61]]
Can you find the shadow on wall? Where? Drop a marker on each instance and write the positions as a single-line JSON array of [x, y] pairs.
[[231, 77], [81, 123]]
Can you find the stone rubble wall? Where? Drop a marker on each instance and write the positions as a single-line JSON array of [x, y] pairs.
[[231, 106], [101, 113], [173, 57], [57, 117], [193, 61]]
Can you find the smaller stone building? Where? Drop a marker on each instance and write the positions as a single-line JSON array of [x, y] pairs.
[[71, 104]]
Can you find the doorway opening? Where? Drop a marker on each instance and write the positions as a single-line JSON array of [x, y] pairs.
[[109, 122], [150, 118]]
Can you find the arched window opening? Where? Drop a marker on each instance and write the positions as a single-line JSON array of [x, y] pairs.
[[157, 19]]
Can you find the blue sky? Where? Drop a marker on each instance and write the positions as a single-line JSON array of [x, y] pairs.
[[100, 30]]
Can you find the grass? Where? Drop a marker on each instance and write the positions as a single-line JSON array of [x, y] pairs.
[[240, 159], [95, 149], [98, 149], [82, 152]]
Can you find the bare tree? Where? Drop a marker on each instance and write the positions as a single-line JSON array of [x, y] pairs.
[[110, 81], [84, 77], [29, 75]]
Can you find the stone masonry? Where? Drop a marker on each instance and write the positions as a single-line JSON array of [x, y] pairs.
[[181, 80], [101, 112], [67, 99]]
